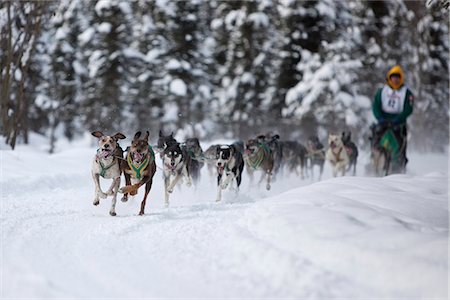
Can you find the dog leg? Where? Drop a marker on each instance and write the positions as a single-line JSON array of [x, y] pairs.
[[219, 193], [110, 191], [97, 188], [187, 176], [166, 193], [173, 183], [127, 182], [269, 175], [148, 187], [115, 189]]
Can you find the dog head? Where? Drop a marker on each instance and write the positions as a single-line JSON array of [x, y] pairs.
[[172, 156], [224, 154], [334, 141], [252, 145], [107, 144], [165, 140], [314, 143], [346, 137], [193, 145], [139, 148]]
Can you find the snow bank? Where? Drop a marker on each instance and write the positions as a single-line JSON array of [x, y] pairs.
[[350, 237]]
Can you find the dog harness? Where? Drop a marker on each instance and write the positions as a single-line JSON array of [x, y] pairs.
[[103, 169], [137, 169], [256, 161]]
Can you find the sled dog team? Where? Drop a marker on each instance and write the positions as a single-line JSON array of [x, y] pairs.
[[182, 162]]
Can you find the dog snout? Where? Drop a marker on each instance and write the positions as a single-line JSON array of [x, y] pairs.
[[219, 163], [106, 146]]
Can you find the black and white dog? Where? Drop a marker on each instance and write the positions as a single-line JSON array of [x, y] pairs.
[[230, 164], [176, 167]]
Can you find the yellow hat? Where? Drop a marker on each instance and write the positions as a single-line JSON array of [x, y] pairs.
[[395, 70]]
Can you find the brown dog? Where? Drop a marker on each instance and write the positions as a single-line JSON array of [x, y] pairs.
[[107, 164], [139, 168]]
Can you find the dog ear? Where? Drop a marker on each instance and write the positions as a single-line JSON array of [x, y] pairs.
[[137, 135], [160, 133], [119, 136], [233, 149], [97, 134], [147, 133]]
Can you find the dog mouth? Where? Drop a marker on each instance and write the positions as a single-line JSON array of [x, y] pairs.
[[333, 145], [104, 153], [249, 151], [220, 169], [138, 157]]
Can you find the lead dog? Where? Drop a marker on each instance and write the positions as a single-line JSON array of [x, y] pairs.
[[230, 165], [107, 164], [337, 155], [139, 168], [176, 166]]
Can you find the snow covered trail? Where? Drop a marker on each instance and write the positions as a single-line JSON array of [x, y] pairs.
[[347, 237]]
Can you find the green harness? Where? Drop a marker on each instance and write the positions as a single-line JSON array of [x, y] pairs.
[[256, 161], [103, 169], [137, 169]]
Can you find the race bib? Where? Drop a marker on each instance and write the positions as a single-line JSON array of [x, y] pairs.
[[392, 101]]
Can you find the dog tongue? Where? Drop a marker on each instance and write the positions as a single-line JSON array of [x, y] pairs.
[[138, 156]]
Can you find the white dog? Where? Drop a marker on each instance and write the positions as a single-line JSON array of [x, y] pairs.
[[106, 164], [337, 155]]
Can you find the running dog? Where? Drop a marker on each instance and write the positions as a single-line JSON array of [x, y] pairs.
[[337, 155], [107, 164], [259, 156], [275, 146], [379, 157], [352, 150], [316, 155], [230, 165], [176, 163], [139, 168], [210, 156], [195, 152], [164, 141], [294, 156]]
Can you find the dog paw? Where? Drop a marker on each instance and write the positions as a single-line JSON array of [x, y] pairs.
[[189, 184], [166, 204], [124, 199], [141, 213], [268, 187], [96, 202], [112, 213]]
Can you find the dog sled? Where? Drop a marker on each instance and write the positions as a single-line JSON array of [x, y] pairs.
[[388, 149]]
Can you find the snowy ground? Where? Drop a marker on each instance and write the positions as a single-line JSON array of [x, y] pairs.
[[352, 237]]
